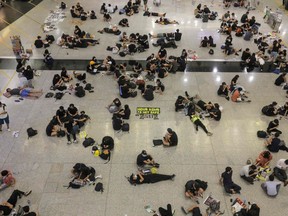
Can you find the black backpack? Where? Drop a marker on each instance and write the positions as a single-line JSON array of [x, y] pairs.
[[49, 95], [58, 95], [88, 87], [61, 133], [88, 142], [99, 187], [31, 132], [261, 134], [108, 141]]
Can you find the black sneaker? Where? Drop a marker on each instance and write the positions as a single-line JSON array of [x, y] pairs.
[[186, 94], [27, 193], [183, 210]]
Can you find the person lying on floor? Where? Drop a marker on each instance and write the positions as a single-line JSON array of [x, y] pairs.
[[149, 178], [147, 13], [198, 123], [6, 207], [195, 211], [274, 144], [166, 21], [23, 92], [113, 30]]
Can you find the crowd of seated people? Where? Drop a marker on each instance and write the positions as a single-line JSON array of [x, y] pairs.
[[67, 122], [77, 11]]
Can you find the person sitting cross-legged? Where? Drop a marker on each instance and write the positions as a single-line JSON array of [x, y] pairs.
[[271, 187]]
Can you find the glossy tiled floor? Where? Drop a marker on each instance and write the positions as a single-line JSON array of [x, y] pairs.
[[43, 164]]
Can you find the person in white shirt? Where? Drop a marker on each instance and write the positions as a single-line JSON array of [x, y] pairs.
[[249, 173], [280, 170], [110, 9], [271, 187], [4, 117]]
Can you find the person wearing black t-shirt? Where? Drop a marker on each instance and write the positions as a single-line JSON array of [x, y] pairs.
[[215, 113], [281, 79], [69, 123], [38, 42], [204, 42], [125, 113], [149, 178], [117, 122], [148, 94], [29, 74], [60, 114], [6, 207], [274, 144], [145, 159], [226, 181], [162, 53], [177, 35], [171, 138], [72, 110], [272, 127]]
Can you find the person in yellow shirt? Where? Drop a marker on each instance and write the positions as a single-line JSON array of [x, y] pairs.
[[198, 123]]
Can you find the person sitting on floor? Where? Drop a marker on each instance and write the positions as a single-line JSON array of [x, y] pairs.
[[170, 138], [149, 178], [6, 207], [79, 76], [271, 187], [6, 179], [64, 75], [249, 173], [204, 42], [125, 113], [271, 109], [227, 182], [272, 127], [107, 17], [238, 95], [263, 159], [145, 159], [274, 144], [280, 170], [38, 42], [123, 22], [223, 90], [195, 189], [53, 128], [159, 88], [281, 79], [215, 113], [147, 93], [93, 14]]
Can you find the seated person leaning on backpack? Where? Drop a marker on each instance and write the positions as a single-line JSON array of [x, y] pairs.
[[171, 138], [53, 128]]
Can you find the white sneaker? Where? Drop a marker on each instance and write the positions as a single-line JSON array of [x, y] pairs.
[[99, 177], [8, 129], [69, 142], [75, 141]]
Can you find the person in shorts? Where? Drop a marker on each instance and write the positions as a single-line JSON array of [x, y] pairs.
[[4, 117]]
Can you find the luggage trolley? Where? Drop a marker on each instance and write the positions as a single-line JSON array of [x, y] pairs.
[[157, 2]]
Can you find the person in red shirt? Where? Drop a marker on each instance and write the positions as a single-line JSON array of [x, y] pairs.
[[6, 179], [238, 95]]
